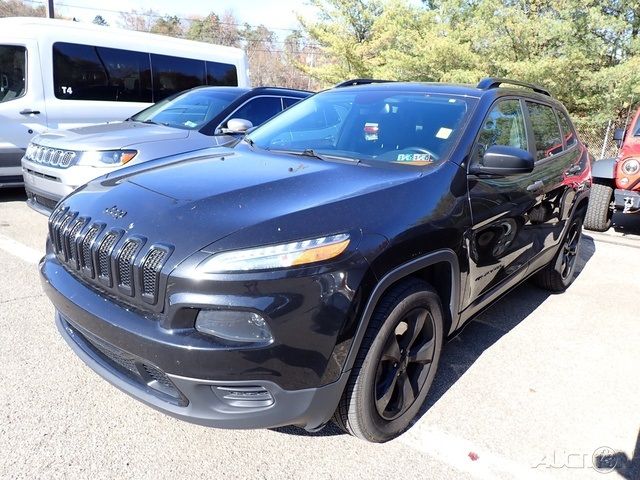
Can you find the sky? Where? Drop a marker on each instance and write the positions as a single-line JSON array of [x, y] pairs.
[[280, 14]]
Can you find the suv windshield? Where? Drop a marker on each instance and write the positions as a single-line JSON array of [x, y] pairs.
[[412, 128], [12, 72], [189, 110]]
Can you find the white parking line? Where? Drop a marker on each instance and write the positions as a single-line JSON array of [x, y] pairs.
[[19, 250], [465, 457]]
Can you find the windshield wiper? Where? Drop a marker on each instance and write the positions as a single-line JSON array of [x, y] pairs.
[[310, 152]]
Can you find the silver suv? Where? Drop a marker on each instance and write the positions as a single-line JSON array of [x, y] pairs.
[[57, 162]]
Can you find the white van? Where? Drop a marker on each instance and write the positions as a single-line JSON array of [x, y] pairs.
[[62, 74]]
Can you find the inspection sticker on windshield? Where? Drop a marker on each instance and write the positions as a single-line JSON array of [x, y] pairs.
[[371, 131], [444, 133], [414, 158]]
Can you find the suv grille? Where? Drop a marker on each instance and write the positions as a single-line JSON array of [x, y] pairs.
[[52, 157], [123, 264]]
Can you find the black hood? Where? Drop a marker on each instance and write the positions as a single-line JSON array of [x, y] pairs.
[[194, 202]]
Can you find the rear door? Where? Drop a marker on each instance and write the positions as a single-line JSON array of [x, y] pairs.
[[556, 154], [22, 106]]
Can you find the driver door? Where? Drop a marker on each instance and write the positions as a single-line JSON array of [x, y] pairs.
[[503, 238]]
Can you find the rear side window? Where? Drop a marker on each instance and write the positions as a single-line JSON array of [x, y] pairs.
[[567, 131], [84, 72], [221, 74], [173, 74], [258, 110], [504, 125], [13, 68], [545, 130]]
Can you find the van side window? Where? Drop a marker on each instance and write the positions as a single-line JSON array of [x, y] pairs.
[[84, 72], [567, 131], [172, 75], [545, 130], [221, 74], [12, 72]]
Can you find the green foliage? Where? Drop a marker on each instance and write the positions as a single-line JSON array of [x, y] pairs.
[[585, 51]]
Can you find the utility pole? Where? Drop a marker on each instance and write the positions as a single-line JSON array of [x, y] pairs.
[[50, 12]]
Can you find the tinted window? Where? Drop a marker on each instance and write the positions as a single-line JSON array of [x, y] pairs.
[[221, 74], [289, 101], [567, 131], [503, 126], [190, 110], [84, 72], [410, 128], [12, 72], [173, 74], [258, 110], [545, 130]]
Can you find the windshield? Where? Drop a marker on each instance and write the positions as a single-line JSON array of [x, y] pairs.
[[12, 72], [411, 128], [189, 110]]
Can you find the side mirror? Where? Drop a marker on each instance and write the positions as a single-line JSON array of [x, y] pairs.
[[618, 136], [237, 125], [502, 161]]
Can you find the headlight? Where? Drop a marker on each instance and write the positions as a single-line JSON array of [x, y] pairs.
[[630, 166], [277, 256], [31, 148], [106, 158]]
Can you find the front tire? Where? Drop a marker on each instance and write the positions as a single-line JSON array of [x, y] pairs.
[[599, 211], [396, 364]]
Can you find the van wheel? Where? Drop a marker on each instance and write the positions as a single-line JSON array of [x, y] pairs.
[[396, 364], [560, 273], [599, 213]]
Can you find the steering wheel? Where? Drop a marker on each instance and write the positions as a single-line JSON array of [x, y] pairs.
[[425, 151]]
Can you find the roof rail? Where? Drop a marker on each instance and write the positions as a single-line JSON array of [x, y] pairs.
[[360, 81], [494, 82]]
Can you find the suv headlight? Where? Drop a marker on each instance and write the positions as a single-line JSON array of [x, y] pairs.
[[276, 256], [631, 166], [106, 158]]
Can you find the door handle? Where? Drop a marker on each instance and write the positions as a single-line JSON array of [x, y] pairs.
[[28, 111], [536, 186]]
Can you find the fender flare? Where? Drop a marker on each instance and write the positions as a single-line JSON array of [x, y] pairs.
[[605, 168], [398, 273]]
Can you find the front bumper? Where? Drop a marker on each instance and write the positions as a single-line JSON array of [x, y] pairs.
[[627, 200], [46, 185], [156, 365]]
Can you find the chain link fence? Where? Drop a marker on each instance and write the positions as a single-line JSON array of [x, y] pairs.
[[599, 138]]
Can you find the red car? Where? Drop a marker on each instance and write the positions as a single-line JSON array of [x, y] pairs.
[[616, 181]]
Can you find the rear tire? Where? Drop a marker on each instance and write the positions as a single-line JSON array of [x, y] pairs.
[[560, 273], [396, 364], [599, 211]]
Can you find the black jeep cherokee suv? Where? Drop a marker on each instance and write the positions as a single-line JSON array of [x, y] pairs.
[[315, 270]]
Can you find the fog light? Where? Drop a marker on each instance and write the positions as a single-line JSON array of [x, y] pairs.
[[234, 325]]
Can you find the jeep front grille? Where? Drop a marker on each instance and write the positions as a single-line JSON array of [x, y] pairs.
[[52, 157], [124, 265]]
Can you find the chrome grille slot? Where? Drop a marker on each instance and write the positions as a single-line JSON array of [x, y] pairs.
[[151, 267], [53, 227], [84, 250]]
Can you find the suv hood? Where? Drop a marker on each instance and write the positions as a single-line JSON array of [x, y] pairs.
[[109, 136], [194, 202]]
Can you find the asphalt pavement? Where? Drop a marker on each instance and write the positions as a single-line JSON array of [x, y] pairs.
[[538, 386]]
